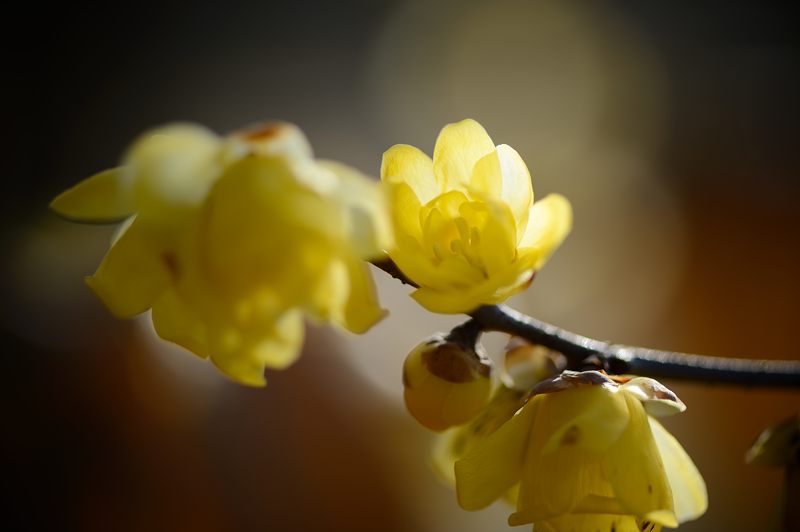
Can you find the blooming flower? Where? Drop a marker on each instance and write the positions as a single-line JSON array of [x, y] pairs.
[[467, 229], [234, 241], [587, 456]]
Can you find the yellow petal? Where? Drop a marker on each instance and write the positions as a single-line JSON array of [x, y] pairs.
[[497, 246], [362, 310], [549, 223], [405, 208], [366, 203], [458, 148], [449, 301], [589, 417], [173, 166], [176, 321], [636, 472], [406, 164], [134, 272], [495, 464], [689, 493], [243, 354], [588, 522], [102, 198], [517, 187], [564, 468], [487, 177]]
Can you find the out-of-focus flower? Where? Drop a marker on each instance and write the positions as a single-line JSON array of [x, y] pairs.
[[778, 446], [467, 229], [233, 240], [445, 383], [587, 456]]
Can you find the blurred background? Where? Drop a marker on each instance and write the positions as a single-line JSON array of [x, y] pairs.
[[672, 127]]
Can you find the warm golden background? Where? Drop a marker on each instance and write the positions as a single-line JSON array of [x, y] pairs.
[[672, 127]]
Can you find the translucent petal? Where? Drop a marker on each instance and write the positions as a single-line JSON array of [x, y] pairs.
[[449, 301], [549, 223], [173, 166], [102, 198], [589, 417], [362, 310], [487, 177], [405, 207], [406, 164], [176, 321], [497, 246], [517, 187], [370, 230], [635, 470], [495, 464], [689, 493], [244, 353], [555, 482], [458, 148], [658, 400], [134, 272]]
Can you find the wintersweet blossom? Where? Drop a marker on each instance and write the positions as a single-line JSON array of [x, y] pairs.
[[467, 230], [233, 240], [587, 456]]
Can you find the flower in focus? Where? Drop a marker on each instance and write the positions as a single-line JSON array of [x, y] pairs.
[[587, 456], [233, 240], [446, 383], [467, 230]]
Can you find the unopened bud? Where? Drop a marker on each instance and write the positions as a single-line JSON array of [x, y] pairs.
[[527, 364], [445, 383]]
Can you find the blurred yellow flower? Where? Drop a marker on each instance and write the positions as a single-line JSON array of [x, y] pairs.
[[467, 229], [587, 456], [234, 240]]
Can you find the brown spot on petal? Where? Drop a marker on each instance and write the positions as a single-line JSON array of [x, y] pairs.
[[453, 363], [171, 264], [571, 436], [262, 132]]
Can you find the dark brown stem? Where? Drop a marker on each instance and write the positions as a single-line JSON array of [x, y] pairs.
[[624, 359]]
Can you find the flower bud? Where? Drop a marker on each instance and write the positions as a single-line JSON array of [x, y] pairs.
[[526, 364], [446, 383]]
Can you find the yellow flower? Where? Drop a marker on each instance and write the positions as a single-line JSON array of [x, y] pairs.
[[467, 229], [234, 240], [587, 456]]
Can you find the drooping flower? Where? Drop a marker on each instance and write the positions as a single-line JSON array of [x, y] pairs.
[[587, 456], [233, 240], [467, 229]]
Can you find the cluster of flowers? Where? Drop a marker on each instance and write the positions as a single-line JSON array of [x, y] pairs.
[[233, 241]]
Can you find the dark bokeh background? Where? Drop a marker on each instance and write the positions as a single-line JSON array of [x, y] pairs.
[[672, 127]]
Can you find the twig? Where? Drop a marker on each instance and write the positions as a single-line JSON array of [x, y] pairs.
[[624, 359]]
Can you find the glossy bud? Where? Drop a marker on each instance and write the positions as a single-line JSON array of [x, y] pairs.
[[445, 383]]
